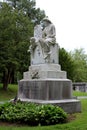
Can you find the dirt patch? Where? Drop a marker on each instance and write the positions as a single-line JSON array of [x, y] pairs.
[[9, 124]]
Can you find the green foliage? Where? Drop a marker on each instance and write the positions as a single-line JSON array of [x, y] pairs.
[[17, 19], [77, 121], [15, 32], [66, 63], [29, 8], [32, 114], [74, 63], [50, 115], [80, 60]]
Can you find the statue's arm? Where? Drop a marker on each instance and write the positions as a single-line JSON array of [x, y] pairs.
[[52, 32]]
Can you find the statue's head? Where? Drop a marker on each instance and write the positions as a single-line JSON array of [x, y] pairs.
[[46, 19]]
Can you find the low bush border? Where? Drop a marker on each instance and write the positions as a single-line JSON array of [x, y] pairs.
[[32, 114]]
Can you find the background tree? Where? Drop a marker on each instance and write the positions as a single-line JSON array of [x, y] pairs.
[[16, 28], [29, 8], [67, 63], [80, 60]]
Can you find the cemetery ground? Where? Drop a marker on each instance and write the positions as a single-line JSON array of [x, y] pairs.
[[77, 121]]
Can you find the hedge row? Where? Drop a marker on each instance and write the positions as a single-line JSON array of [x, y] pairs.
[[32, 114]]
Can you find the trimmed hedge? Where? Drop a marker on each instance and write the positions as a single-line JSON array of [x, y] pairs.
[[32, 114]]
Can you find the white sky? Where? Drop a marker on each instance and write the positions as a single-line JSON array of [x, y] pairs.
[[70, 20]]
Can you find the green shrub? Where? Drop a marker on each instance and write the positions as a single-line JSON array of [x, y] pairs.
[[49, 115], [32, 114]]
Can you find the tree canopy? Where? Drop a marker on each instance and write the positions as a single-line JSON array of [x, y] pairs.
[[29, 8], [74, 63], [80, 60], [66, 62], [16, 28]]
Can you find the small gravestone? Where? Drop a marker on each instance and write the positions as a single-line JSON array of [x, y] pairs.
[[45, 82]]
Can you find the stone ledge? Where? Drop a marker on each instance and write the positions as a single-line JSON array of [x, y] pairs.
[[68, 105], [46, 79]]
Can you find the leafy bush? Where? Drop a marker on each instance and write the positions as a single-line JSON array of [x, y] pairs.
[[49, 114], [32, 114]]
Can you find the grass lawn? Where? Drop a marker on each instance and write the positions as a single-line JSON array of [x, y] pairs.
[[78, 93], [9, 94], [78, 123]]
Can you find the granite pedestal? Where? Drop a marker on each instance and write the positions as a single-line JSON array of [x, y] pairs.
[[45, 89], [49, 91]]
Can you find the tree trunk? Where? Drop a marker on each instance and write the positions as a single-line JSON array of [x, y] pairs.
[[11, 80], [5, 86], [6, 78]]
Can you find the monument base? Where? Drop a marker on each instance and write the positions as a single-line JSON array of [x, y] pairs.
[[68, 105], [49, 91], [45, 89]]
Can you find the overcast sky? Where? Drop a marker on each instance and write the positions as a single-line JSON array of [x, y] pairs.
[[70, 20]]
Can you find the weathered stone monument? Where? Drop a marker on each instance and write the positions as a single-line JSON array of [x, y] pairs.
[[45, 82]]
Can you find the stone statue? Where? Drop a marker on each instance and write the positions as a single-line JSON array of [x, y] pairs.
[[44, 37], [48, 37], [45, 82]]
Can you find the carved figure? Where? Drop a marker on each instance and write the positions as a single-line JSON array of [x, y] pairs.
[[44, 38], [48, 37]]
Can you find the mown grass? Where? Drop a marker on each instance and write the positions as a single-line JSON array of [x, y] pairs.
[[9, 94], [78, 93], [79, 123]]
